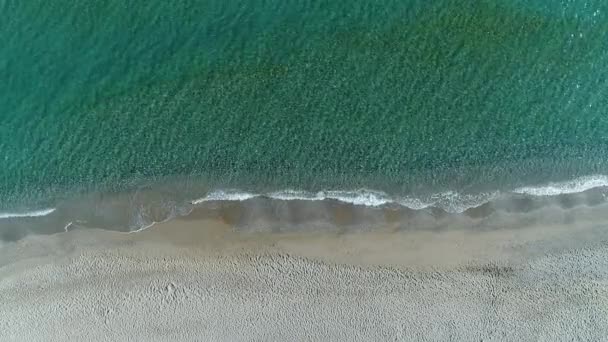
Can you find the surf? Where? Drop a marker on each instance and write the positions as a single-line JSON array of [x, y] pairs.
[[35, 213], [453, 202]]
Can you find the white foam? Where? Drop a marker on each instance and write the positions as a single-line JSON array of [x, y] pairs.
[[454, 202], [451, 202], [295, 195], [364, 197], [569, 187], [36, 213], [225, 195], [413, 203]]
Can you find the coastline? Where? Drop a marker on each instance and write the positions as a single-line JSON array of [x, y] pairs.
[[202, 277], [144, 206], [512, 238], [304, 170]]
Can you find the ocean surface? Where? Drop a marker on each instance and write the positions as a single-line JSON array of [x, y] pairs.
[[122, 114]]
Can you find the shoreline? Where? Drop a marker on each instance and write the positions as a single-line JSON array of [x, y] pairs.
[[137, 210], [512, 238]]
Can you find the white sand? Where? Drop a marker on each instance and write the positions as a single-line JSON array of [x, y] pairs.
[[196, 281]]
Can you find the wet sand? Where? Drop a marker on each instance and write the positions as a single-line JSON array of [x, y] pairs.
[[201, 279]]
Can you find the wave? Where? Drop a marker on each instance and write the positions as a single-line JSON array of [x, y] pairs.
[[368, 198], [145, 212], [36, 213], [568, 187], [449, 201], [226, 195]]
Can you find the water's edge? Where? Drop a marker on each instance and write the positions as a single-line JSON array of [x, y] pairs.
[[296, 209]]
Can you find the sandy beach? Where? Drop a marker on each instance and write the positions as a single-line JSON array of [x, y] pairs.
[[193, 279]]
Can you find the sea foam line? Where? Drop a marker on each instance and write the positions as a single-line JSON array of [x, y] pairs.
[[450, 201], [36, 213], [568, 187]]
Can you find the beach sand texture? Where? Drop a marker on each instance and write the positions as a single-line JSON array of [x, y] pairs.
[[189, 280]]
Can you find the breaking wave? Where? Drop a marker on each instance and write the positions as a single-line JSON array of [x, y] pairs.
[[450, 201], [568, 187], [35, 213]]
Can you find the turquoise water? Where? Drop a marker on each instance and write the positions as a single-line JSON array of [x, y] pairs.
[[406, 97]]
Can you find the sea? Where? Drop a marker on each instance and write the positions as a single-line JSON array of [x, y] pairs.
[[311, 113]]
